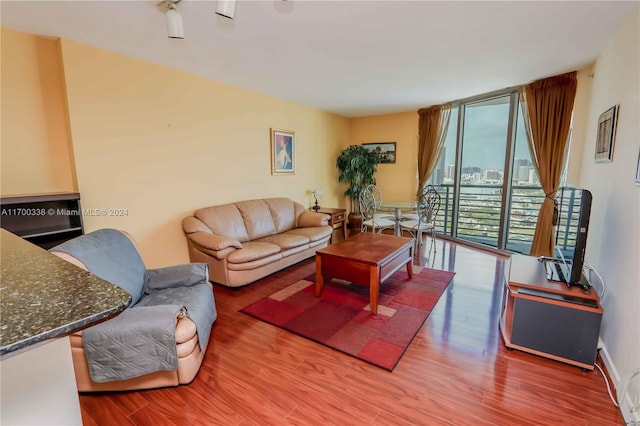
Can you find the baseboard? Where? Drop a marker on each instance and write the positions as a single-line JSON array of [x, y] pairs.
[[606, 359], [630, 418], [632, 395]]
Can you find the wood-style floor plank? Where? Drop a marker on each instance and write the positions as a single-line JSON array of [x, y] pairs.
[[456, 371]]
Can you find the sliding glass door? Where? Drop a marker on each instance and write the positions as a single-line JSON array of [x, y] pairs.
[[489, 189], [481, 180]]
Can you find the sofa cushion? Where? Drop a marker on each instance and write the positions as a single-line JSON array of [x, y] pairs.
[[257, 218], [283, 213], [295, 250], [314, 233], [253, 250], [256, 264], [319, 243], [224, 220], [286, 241]]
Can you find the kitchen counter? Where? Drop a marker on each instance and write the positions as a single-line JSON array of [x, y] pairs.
[[44, 297]]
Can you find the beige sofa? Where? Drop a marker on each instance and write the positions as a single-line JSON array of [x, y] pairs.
[[247, 240]]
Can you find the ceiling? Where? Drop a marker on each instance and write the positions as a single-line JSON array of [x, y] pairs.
[[352, 58]]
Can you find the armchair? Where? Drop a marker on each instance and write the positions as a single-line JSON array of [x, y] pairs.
[[161, 338]]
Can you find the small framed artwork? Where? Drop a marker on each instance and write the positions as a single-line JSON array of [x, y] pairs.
[[385, 150], [283, 152], [606, 135]]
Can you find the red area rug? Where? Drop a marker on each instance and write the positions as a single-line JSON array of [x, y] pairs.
[[341, 318]]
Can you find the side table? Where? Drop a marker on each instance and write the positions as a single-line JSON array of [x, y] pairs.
[[337, 219]]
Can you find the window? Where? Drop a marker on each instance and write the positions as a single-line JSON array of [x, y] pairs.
[[489, 188]]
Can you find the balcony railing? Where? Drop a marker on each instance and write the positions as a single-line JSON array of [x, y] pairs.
[[479, 215]]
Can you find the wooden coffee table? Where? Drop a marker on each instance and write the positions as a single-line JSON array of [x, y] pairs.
[[367, 259]]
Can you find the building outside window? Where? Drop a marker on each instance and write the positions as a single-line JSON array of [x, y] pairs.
[[489, 189]]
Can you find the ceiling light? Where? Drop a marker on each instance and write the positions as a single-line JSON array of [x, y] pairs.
[[226, 8], [175, 29]]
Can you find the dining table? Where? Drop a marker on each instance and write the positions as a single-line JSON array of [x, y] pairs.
[[398, 206]]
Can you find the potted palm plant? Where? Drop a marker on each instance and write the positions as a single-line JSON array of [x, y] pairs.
[[357, 166]]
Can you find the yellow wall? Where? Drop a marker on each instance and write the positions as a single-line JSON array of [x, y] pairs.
[[35, 152], [161, 143], [397, 181]]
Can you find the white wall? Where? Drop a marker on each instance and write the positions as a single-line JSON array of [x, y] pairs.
[[613, 246], [38, 386]]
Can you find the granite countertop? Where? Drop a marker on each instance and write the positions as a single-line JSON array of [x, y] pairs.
[[43, 297]]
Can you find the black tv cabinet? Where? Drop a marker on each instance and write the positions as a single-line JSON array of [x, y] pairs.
[[547, 318], [45, 220]]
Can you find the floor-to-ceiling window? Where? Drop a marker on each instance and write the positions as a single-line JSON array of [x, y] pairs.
[[483, 147], [489, 188], [526, 195]]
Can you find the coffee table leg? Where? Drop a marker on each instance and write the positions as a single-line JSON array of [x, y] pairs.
[[410, 269], [374, 289], [319, 277]]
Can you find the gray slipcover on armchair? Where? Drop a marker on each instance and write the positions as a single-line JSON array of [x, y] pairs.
[[161, 338]]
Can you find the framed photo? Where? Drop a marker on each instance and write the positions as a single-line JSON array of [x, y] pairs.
[[283, 152], [606, 135], [385, 150]]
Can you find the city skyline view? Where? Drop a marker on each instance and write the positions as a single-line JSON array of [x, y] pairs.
[[484, 146], [474, 212]]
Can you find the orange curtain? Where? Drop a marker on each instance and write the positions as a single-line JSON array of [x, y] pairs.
[[432, 131], [547, 106]]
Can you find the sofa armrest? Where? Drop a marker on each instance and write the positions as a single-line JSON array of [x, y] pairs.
[[213, 242], [308, 219], [177, 276]]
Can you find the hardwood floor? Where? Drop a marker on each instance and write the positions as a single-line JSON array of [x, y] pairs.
[[456, 371]]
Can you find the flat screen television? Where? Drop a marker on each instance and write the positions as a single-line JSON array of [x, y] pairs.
[[574, 210]]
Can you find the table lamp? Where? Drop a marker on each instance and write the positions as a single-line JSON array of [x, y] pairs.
[[315, 193]]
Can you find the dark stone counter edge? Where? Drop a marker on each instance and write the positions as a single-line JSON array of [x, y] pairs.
[[6, 351]]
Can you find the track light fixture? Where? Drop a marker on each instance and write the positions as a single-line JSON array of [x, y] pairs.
[[175, 29], [226, 8]]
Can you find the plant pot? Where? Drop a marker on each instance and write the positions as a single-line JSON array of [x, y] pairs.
[[355, 223]]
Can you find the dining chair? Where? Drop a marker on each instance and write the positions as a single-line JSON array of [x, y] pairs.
[[428, 207], [380, 213], [413, 213], [369, 206]]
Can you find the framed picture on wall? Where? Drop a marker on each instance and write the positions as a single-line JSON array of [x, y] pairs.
[[606, 135], [385, 150], [283, 152]]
